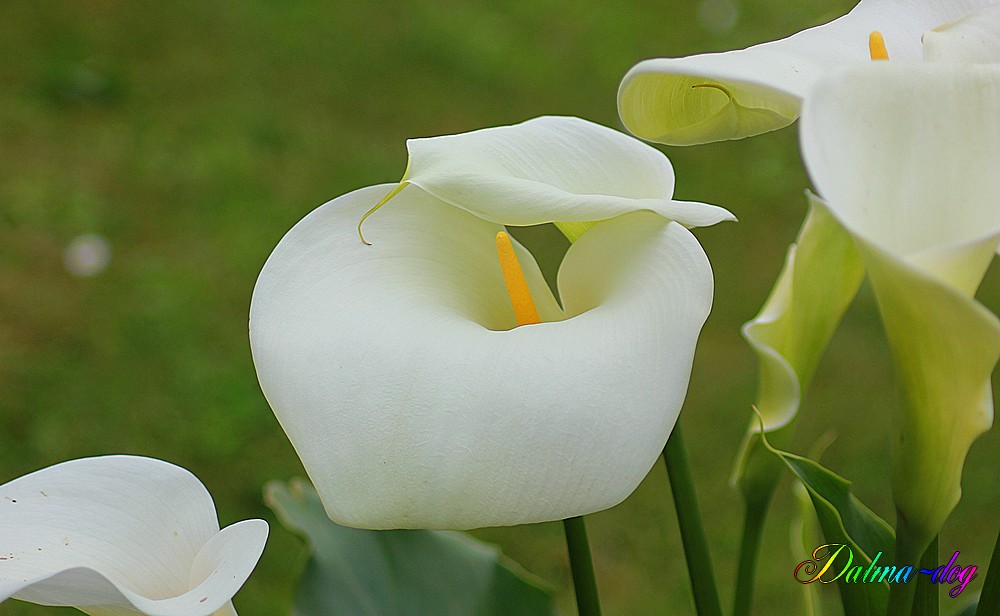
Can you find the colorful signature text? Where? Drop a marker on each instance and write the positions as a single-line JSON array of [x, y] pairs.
[[835, 561]]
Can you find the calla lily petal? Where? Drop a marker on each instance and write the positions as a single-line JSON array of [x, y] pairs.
[[945, 346], [121, 534], [737, 94], [910, 175], [909, 170], [551, 169], [974, 38], [821, 275], [414, 402]]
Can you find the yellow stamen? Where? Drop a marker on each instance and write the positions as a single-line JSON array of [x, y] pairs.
[[876, 46], [517, 287]]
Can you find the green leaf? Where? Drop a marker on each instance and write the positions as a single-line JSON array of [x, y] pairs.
[[846, 520], [359, 572], [805, 531]]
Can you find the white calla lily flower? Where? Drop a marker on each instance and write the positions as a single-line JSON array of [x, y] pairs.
[[400, 374], [736, 94], [121, 535], [919, 196]]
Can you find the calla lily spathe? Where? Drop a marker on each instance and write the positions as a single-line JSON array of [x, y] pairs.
[[120, 535], [398, 373], [910, 176], [820, 276], [736, 94]]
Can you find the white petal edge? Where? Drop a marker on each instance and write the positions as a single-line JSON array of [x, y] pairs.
[[908, 165], [551, 169], [820, 277], [118, 532], [407, 412], [761, 87], [973, 38]]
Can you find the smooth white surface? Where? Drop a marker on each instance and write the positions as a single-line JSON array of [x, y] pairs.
[[909, 170], [115, 534]]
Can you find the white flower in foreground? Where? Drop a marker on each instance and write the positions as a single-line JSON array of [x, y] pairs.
[[398, 370], [905, 159], [736, 94], [121, 535]]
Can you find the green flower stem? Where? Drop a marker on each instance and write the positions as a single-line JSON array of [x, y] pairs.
[[901, 596], [699, 562], [580, 563], [753, 527], [925, 600], [989, 600]]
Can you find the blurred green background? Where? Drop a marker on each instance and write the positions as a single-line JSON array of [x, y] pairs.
[[191, 135]]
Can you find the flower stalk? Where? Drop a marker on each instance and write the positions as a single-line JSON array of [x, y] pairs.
[[902, 596], [753, 528], [699, 561], [989, 599], [925, 600], [582, 567]]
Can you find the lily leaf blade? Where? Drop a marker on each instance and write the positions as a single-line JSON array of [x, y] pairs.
[[364, 572], [846, 520]]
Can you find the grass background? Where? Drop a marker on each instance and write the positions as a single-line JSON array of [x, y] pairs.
[[192, 135]]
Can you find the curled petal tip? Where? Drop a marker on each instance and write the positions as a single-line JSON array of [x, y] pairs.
[[395, 191]]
